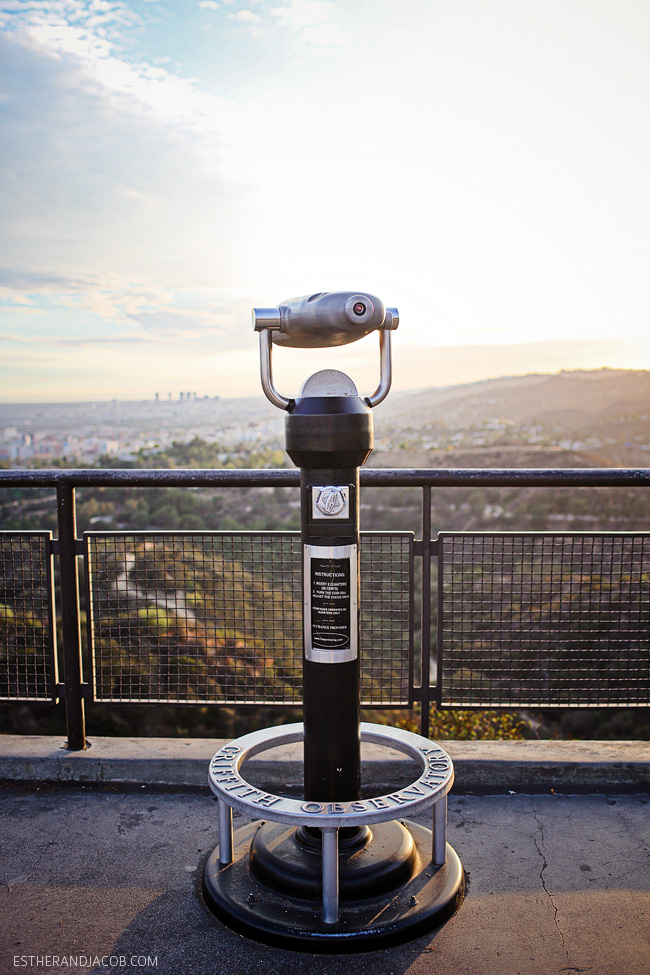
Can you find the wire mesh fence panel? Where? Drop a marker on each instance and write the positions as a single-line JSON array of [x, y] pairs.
[[544, 620], [217, 618], [387, 618], [27, 630], [195, 618]]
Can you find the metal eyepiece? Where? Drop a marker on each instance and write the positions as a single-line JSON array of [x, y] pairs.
[[266, 318], [360, 310], [392, 319]]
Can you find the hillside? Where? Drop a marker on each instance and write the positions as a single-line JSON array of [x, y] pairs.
[[531, 398], [601, 416]]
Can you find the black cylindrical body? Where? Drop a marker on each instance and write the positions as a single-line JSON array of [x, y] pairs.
[[331, 690], [329, 438]]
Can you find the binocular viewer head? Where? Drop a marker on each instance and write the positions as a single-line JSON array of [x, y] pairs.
[[325, 320], [322, 321]]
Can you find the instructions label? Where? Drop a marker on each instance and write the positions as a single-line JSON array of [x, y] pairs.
[[330, 604], [331, 610]]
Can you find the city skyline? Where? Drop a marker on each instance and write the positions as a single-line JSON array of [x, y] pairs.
[[167, 165]]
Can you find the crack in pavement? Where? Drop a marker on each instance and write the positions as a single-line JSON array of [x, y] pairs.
[[540, 846], [66, 812]]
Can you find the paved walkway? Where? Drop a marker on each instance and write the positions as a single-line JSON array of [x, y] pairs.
[[557, 884]]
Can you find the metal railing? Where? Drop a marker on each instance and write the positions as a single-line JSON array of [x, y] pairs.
[[536, 619], [205, 617]]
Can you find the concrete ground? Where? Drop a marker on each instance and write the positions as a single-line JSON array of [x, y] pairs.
[[556, 884]]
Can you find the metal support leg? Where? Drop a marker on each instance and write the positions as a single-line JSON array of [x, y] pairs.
[[439, 857], [225, 834], [330, 875]]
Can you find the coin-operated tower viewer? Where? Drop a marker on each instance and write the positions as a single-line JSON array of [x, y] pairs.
[[329, 435], [379, 880]]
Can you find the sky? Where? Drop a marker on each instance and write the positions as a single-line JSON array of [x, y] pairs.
[[165, 166]]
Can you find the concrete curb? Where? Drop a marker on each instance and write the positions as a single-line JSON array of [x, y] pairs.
[[480, 766]]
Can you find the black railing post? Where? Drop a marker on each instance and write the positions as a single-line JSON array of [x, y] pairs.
[[425, 633], [74, 705]]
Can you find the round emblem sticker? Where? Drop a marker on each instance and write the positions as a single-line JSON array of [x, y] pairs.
[[330, 501]]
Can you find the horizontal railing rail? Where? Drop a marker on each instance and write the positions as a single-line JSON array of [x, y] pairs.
[[524, 618], [370, 477]]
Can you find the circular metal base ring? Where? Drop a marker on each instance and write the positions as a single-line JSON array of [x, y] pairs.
[[229, 785], [246, 904]]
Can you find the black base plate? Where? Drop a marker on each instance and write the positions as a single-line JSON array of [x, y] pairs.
[[383, 861], [417, 904]]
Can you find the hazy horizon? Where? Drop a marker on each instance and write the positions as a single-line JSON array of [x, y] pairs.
[[465, 374], [259, 395]]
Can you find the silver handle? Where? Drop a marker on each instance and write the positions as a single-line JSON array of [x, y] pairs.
[[385, 371], [268, 321], [266, 371]]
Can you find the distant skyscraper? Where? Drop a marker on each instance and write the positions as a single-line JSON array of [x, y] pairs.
[[157, 397]]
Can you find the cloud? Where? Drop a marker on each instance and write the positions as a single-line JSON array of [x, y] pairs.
[[200, 325], [145, 88], [304, 24], [120, 178], [245, 17], [297, 14], [29, 281], [107, 297], [21, 339], [87, 14], [59, 341], [19, 308], [111, 173], [314, 21], [208, 5], [103, 340], [159, 314], [183, 323]]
